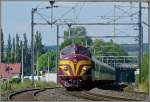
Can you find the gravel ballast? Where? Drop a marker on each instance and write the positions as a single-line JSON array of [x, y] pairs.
[[58, 94]]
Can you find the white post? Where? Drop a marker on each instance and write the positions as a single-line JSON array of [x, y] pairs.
[[86, 43], [48, 64], [22, 66]]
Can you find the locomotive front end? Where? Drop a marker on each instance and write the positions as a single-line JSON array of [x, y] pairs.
[[75, 69]]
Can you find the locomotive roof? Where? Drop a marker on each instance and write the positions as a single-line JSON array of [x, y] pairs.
[[75, 46], [75, 49]]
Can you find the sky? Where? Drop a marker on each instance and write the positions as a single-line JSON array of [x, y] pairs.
[[16, 19]]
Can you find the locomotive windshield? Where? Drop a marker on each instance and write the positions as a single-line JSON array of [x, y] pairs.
[[83, 51], [75, 50], [67, 50]]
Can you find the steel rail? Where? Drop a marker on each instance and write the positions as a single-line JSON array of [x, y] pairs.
[[99, 97], [35, 93], [10, 97]]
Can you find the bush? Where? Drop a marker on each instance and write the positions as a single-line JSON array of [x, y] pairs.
[[43, 84], [145, 68], [143, 86], [5, 86], [15, 80]]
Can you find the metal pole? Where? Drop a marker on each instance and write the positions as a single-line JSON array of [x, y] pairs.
[[94, 52], [57, 54], [140, 51], [141, 42], [22, 66], [69, 29], [69, 26], [52, 5], [114, 20], [37, 67], [149, 45], [32, 45]]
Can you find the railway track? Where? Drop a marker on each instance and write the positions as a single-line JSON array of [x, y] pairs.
[[35, 93], [26, 95], [100, 97], [48, 94], [23, 95]]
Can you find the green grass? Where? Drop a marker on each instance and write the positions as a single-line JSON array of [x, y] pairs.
[[14, 86], [143, 86]]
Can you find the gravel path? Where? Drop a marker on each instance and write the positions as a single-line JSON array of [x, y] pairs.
[[61, 94], [4, 95], [122, 94], [58, 94]]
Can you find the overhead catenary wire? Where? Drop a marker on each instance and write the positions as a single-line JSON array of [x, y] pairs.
[[125, 11], [44, 18], [66, 13], [80, 10]]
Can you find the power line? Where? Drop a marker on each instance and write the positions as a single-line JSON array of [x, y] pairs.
[[100, 37], [44, 18]]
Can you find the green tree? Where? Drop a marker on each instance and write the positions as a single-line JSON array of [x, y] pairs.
[[43, 60], [17, 48], [13, 50], [76, 32], [107, 48], [38, 44], [20, 50], [25, 48], [2, 46], [9, 47]]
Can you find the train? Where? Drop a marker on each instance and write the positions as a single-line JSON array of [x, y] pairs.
[[78, 69]]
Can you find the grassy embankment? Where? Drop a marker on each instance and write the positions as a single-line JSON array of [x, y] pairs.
[[143, 86], [16, 84]]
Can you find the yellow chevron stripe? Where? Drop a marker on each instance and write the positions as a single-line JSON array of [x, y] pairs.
[[83, 62], [67, 72], [68, 62], [82, 72]]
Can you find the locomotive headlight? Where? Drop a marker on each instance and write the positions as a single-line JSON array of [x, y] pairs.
[[65, 68], [85, 68]]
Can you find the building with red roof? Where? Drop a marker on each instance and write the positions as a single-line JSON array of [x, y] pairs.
[[10, 70]]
